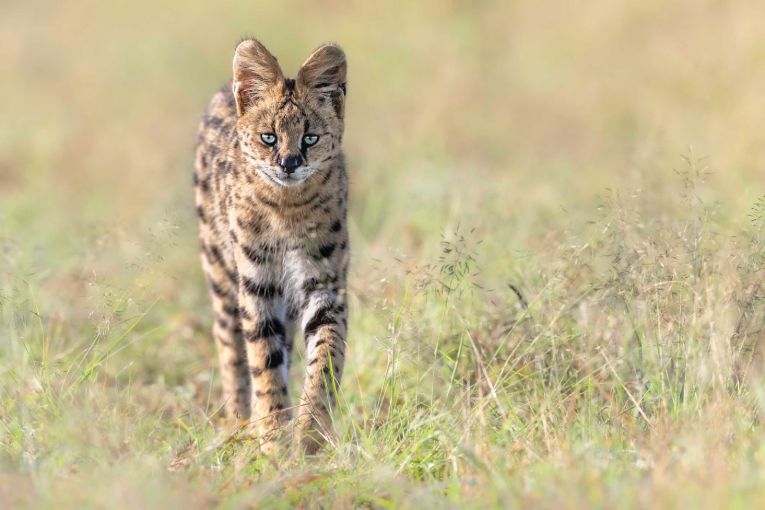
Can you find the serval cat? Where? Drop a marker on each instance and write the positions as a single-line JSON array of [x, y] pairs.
[[271, 195]]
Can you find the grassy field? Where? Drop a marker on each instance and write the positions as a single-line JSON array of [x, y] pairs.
[[558, 273]]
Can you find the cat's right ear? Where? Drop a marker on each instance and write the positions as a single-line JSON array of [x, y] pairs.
[[255, 71]]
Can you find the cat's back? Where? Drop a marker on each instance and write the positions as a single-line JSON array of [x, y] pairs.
[[215, 135], [215, 141]]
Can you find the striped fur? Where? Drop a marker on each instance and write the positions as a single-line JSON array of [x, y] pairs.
[[274, 240]]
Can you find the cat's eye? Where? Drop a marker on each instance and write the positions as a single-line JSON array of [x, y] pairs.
[[268, 138], [310, 139]]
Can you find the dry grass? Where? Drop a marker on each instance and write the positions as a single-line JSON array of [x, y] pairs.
[[556, 302]]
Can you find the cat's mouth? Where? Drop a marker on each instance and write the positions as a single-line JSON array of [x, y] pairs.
[[288, 180]]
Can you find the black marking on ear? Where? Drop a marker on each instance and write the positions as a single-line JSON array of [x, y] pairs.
[[289, 84]]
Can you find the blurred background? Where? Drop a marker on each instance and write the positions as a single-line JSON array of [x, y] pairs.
[[510, 118], [510, 109], [508, 122]]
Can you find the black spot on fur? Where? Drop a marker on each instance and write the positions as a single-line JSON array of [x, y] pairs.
[[217, 289], [214, 122], [274, 359], [336, 226], [254, 225], [232, 277], [216, 255], [268, 328], [322, 317], [255, 255], [327, 250], [257, 289]]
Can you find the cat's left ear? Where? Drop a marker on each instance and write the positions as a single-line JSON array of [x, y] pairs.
[[255, 72], [325, 73]]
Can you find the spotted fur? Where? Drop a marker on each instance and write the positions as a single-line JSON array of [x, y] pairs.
[[274, 239]]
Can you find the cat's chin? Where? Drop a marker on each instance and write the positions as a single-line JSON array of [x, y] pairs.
[[288, 181]]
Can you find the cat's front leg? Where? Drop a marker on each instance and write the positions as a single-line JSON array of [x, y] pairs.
[[263, 319]]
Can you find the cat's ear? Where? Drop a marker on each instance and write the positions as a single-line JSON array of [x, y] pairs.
[[255, 71], [325, 72]]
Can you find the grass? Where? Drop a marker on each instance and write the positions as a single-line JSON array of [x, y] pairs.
[[558, 232]]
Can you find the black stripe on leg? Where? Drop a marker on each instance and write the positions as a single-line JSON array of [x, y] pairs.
[[267, 328], [322, 317], [274, 359], [279, 391], [258, 289]]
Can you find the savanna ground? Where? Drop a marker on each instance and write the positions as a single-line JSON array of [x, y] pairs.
[[559, 256]]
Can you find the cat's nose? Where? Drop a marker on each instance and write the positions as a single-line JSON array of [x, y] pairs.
[[290, 163]]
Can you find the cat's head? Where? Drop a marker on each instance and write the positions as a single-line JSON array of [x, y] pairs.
[[289, 129]]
